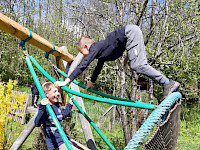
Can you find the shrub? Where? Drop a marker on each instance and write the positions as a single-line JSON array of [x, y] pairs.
[[6, 106]]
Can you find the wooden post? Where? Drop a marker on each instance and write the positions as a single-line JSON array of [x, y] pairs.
[[84, 123], [59, 65], [15, 29]]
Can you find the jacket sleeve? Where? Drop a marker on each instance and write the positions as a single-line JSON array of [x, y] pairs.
[[85, 63], [67, 110], [41, 116], [97, 70]]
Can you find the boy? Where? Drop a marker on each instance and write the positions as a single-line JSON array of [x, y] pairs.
[[128, 38], [52, 136], [35, 92]]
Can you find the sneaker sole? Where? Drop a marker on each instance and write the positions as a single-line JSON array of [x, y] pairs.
[[175, 89]]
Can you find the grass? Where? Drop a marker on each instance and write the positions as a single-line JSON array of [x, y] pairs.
[[17, 128], [114, 134], [189, 137], [24, 89]]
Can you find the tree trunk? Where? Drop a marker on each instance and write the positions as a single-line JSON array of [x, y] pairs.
[[133, 110], [151, 92], [113, 114], [123, 108]]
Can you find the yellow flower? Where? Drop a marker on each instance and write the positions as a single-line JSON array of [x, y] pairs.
[[1, 121], [22, 114], [15, 82], [9, 101], [15, 107], [17, 134]]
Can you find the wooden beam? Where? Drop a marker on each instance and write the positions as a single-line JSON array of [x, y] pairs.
[[19, 31], [84, 123]]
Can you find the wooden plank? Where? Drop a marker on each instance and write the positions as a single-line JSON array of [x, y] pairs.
[[78, 145], [19, 31], [31, 109], [25, 108]]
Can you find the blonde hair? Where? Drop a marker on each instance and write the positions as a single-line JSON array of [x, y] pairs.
[[47, 86], [83, 41]]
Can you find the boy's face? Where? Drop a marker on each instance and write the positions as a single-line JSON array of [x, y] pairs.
[[84, 51], [53, 95]]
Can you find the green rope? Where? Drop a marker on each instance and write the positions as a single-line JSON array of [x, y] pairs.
[[47, 53], [152, 120], [23, 42]]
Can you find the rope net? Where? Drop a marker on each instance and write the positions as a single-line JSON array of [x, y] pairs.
[[159, 117], [166, 134]]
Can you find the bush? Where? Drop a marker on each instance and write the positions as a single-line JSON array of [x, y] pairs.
[[7, 132]]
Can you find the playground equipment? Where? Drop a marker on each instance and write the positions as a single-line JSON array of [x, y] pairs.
[[157, 115], [165, 116]]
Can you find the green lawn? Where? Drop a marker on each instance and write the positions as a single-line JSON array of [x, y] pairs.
[[189, 138]]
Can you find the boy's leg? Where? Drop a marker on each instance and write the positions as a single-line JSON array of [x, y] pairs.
[[33, 99], [151, 73], [168, 88], [62, 147], [138, 61], [37, 98], [137, 55]]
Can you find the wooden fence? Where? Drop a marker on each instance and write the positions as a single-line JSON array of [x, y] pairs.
[[19, 115]]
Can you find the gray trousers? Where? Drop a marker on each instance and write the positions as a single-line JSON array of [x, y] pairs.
[[137, 55]]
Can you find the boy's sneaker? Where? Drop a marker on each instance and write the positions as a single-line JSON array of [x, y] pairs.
[[35, 105], [169, 88]]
